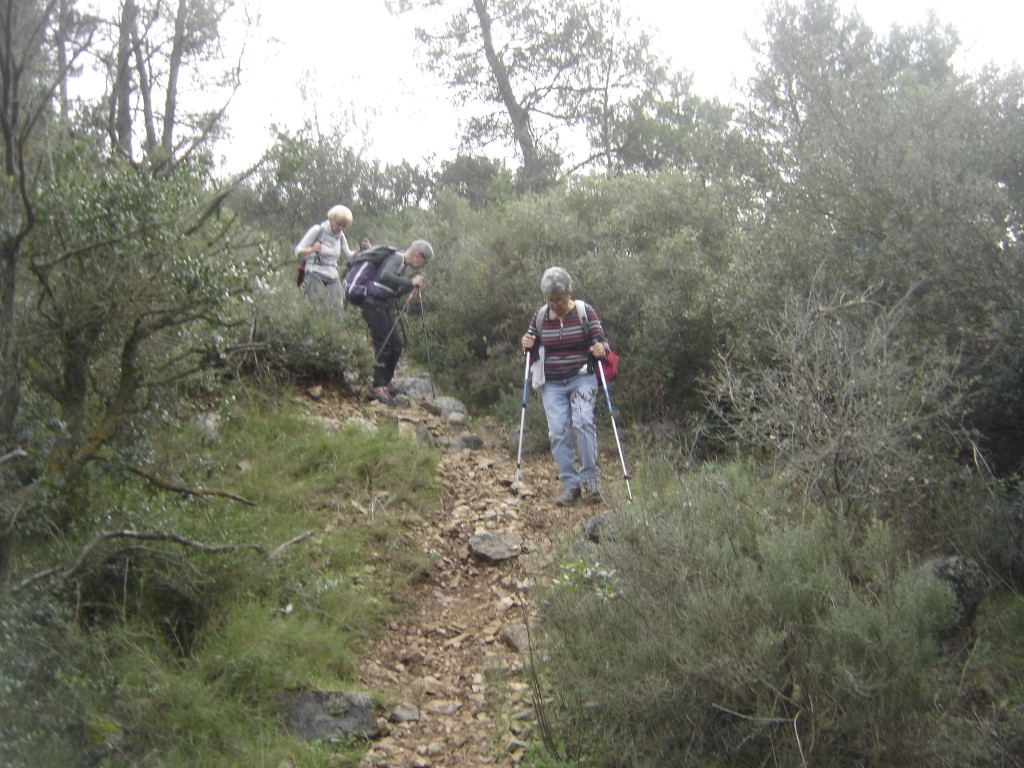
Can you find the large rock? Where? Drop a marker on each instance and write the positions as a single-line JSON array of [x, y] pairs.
[[445, 407], [969, 584], [494, 548], [330, 715]]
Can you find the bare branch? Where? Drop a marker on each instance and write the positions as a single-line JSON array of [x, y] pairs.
[[277, 551], [66, 574], [17, 453], [168, 485]]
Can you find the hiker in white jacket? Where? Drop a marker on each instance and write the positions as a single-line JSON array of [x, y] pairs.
[[321, 249]]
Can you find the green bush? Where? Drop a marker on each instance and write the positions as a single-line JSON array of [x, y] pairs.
[[50, 680], [715, 627], [289, 340], [643, 251]]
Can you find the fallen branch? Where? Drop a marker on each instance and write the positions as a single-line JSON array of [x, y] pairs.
[[167, 485], [17, 453], [277, 551], [68, 573], [754, 718]]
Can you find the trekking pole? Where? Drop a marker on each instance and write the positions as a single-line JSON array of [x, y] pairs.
[[522, 418], [423, 322], [615, 429]]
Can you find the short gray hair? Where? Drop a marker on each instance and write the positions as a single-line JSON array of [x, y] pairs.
[[423, 248], [555, 280]]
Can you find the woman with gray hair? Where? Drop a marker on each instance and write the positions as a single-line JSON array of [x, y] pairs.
[[321, 249], [399, 274], [568, 345]]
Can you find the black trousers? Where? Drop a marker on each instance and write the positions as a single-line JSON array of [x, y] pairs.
[[387, 341]]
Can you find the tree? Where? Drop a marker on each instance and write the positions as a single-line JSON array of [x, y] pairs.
[[883, 168], [115, 273], [551, 75], [887, 174], [29, 78], [479, 180], [133, 280], [308, 171], [663, 127], [159, 50]]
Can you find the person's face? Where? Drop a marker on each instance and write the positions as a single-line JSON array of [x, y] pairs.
[[559, 302], [365, 243], [415, 260], [337, 225]]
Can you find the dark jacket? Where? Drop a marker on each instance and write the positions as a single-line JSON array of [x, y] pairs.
[[396, 274]]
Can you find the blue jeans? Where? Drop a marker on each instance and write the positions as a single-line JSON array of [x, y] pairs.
[[569, 407]]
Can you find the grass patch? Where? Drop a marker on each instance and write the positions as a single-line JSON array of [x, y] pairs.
[[187, 650]]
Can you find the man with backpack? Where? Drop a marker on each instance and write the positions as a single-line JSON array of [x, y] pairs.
[[375, 281]]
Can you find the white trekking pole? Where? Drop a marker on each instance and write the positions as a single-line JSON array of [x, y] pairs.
[[615, 429], [522, 419]]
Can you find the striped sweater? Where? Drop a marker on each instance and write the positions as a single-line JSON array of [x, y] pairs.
[[566, 350]]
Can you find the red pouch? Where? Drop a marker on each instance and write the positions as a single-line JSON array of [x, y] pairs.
[[610, 365]]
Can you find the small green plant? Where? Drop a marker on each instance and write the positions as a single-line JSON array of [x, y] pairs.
[[578, 574]]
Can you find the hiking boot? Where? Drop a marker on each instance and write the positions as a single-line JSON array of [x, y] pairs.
[[591, 494], [568, 497], [395, 391], [382, 394]]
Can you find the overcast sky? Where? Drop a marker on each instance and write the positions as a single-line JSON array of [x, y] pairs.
[[375, 72]]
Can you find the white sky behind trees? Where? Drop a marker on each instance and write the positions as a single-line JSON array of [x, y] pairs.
[[357, 63]]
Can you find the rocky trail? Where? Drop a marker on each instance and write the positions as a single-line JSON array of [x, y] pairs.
[[454, 666]]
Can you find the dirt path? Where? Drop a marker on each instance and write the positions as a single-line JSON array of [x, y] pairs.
[[453, 658]]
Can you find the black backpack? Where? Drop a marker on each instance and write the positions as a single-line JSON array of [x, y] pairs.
[[361, 278]]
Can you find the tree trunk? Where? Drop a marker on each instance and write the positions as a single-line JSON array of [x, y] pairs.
[[10, 390], [120, 97], [522, 131], [174, 67]]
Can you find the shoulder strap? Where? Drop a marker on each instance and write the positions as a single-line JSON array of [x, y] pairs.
[[377, 254], [319, 238], [581, 310]]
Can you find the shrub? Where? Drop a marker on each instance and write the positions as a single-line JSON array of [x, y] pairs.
[[727, 630], [864, 421], [48, 685], [289, 340], [644, 252]]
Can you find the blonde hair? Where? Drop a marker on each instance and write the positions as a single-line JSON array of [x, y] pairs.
[[339, 214]]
